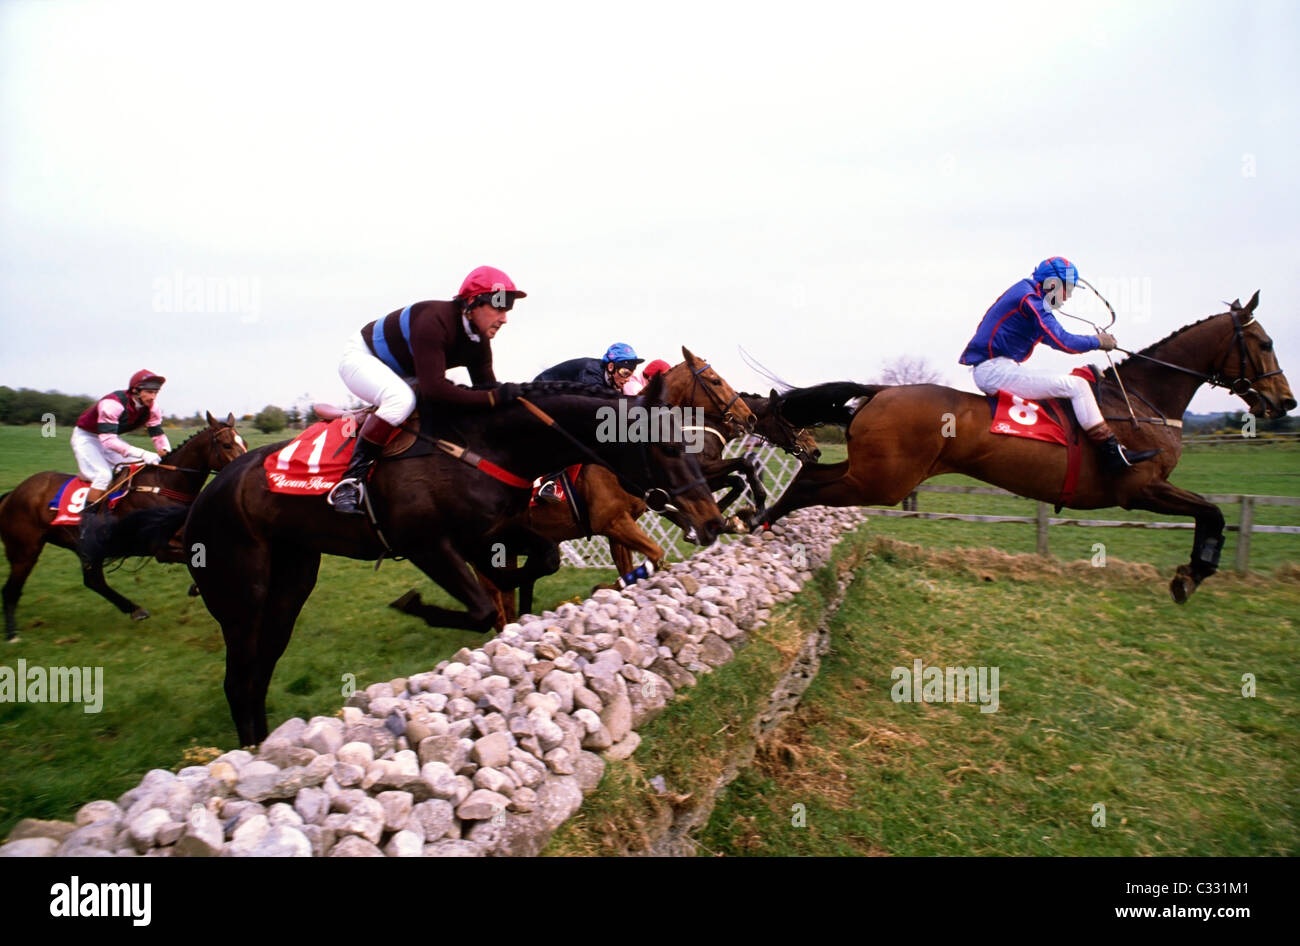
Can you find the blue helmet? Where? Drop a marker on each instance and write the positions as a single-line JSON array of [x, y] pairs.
[[620, 353], [1056, 267]]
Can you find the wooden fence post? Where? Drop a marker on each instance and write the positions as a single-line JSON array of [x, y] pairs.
[[1243, 534], [1042, 531]]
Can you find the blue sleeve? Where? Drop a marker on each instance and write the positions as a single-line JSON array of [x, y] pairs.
[[1055, 335]]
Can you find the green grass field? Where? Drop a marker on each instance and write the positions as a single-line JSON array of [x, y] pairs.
[[1110, 695], [163, 676]]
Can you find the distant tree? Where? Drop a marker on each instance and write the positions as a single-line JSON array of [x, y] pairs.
[[270, 419], [293, 417], [312, 417], [909, 369]]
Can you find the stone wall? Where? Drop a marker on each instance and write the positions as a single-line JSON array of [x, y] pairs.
[[489, 752]]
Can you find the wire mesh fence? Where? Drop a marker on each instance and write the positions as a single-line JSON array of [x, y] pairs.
[[778, 469]]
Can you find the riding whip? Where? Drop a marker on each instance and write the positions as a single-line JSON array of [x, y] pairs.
[[1113, 317]]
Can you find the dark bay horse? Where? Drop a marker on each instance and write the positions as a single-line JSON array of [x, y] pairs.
[[897, 439], [263, 549], [25, 516]]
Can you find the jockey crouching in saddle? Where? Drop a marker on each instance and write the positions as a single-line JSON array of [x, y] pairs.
[[97, 437], [421, 342], [615, 370], [1018, 321]]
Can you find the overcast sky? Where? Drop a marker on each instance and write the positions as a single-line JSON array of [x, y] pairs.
[[827, 185]]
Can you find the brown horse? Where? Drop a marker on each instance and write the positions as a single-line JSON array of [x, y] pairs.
[[264, 548], [613, 512], [897, 439], [25, 516]]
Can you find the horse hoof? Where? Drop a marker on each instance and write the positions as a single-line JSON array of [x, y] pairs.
[[139, 614], [405, 602], [1182, 585], [13, 640]]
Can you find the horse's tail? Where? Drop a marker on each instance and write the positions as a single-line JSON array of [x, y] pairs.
[[824, 403], [146, 532]]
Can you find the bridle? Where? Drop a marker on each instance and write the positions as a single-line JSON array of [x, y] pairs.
[[723, 409]]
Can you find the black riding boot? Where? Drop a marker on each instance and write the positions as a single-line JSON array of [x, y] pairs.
[[1115, 457], [346, 494]]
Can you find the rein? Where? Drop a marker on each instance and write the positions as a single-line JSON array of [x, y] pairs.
[[1240, 386]]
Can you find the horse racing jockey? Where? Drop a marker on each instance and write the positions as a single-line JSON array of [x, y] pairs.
[[96, 439], [421, 342], [637, 383], [1018, 321], [614, 370]]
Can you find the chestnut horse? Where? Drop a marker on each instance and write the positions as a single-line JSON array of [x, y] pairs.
[[897, 439], [263, 549], [25, 516]]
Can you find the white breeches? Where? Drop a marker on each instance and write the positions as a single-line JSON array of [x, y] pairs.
[[375, 383], [94, 460], [1003, 374]]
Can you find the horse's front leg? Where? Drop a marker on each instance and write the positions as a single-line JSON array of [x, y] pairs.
[[448, 569], [627, 539], [1163, 497]]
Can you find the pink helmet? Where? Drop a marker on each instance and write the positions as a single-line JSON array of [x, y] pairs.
[[147, 380], [488, 280]]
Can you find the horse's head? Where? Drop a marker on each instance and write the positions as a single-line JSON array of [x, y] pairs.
[[226, 444], [774, 428], [678, 488], [1249, 367], [693, 383]]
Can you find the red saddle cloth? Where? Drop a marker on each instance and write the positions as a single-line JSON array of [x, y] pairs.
[[1017, 417], [311, 463], [71, 499], [1021, 418]]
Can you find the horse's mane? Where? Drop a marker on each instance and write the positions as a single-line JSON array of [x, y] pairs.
[[1109, 372], [555, 388], [196, 433]]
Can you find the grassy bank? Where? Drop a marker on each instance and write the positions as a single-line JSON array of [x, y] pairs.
[[1109, 695]]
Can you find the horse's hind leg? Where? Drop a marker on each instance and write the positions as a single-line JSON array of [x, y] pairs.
[[21, 563], [92, 576]]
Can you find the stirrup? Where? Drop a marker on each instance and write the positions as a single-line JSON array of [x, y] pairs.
[[347, 501], [1134, 457]]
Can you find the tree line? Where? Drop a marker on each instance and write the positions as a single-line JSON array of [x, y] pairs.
[[28, 406]]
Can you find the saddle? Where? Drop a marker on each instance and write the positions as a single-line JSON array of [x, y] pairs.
[[68, 503], [402, 440]]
